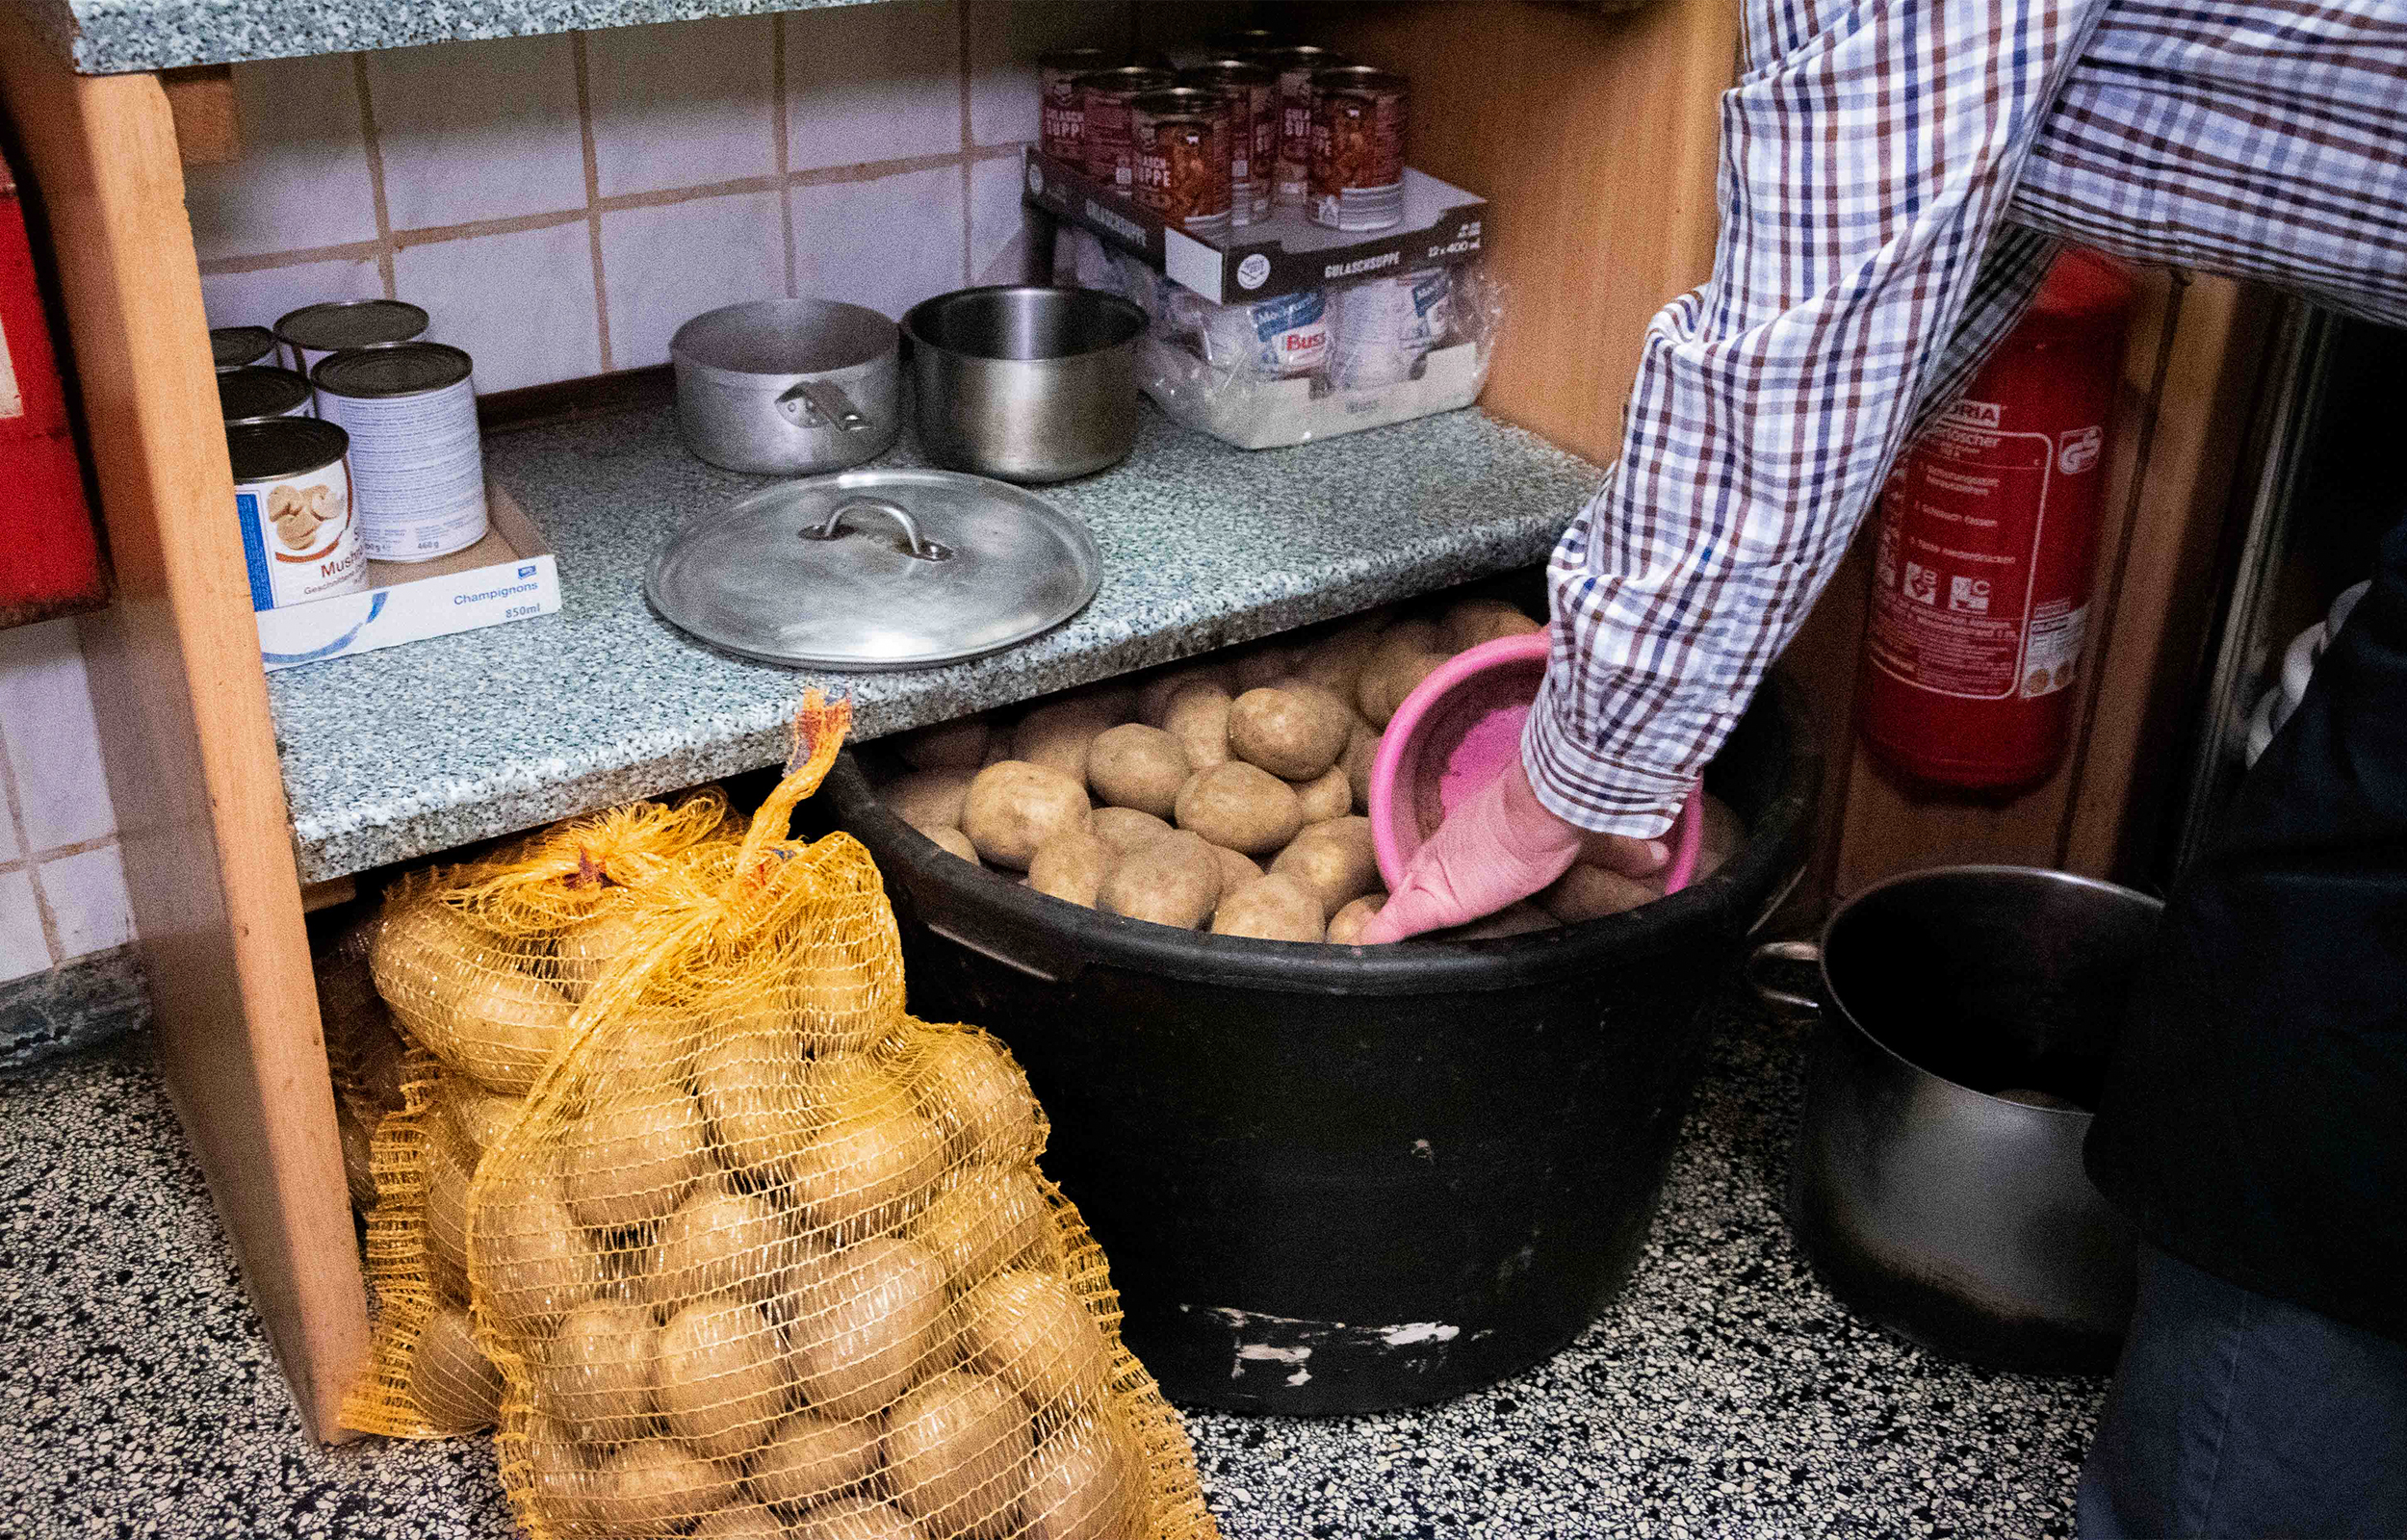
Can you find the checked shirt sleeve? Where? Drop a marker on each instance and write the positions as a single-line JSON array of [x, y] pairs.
[[1868, 157]]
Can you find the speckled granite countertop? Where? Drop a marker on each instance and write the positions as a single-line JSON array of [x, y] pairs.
[[417, 749], [1724, 1393], [111, 36]]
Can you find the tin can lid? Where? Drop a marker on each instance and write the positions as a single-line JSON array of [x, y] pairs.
[[1231, 71], [391, 368], [233, 346], [1183, 101], [259, 391], [1129, 77], [341, 323], [1357, 77], [1082, 60], [284, 446], [1248, 39], [1297, 56]]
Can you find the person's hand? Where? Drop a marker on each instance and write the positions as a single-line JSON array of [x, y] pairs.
[[1497, 849]]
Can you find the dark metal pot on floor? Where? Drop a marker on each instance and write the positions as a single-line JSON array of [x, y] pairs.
[[1967, 1013], [1339, 1179]]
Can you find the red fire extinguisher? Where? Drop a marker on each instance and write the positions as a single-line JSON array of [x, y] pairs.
[[1987, 532], [53, 562]]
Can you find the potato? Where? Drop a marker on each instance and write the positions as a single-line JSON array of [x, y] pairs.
[[719, 1241], [505, 1027], [422, 951], [967, 1086], [1240, 806], [1362, 751], [1388, 680], [1029, 1330], [359, 1155], [1723, 835], [749, 1085], [1016, 807], [583, 950], [953, 842], [1265, 663], [1174, 880], [1337, 661], [1345, 927], [563, 1484], [530, 1261], [1405, 638], [1474, 621], [869, 1163], [808, 1457], [377, 1064], [1587, 892], [1082, 1485], [1070, 867], [1136, 766], [957, 1450], [860, 1320], [720, 1377], [746, 1521], [1517, 919], [1155, 695], [987, 1220], [1277, 907], [631, 1159], [840, 1004], [946, 745], [651, 1487], [929, 799], [450, 1166], [1335, 859], [1058, 734], [1124, 829], [476, 1117], [1329, 797], [1293, 734], [856, 1519], [1235, 870], [596, 1374], [1198, 717], [456, 1387]]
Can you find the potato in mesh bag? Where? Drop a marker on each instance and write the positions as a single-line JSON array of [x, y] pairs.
[[765, 1255]]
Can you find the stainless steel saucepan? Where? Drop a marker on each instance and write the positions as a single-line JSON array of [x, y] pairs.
[[1024, 382], [788, 387]]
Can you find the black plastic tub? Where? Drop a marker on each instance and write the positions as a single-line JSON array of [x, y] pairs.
[[1339, 1179]]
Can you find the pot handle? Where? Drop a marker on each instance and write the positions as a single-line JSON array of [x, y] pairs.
[[818, 401], [1788, 1001], [914, 544]]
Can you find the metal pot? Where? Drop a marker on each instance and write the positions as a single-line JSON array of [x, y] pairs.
[[788, 387], [1966, 1016], [1025, 382]]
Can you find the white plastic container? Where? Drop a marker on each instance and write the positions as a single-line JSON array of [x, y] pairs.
[[417, 460]]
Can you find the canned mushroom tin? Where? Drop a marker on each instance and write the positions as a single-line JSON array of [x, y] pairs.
[[293, 497], [1291, 177], [1358, 148], [1253, 94], [244, 395], [1182, 140], [313, 331], [1107, 147], [411, 411], [240, 347], [1060, 124]]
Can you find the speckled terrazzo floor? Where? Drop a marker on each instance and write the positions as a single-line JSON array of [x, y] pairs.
[[1723, 1394], [418, 749]]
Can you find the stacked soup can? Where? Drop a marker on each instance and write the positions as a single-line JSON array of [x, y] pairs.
[[352, 439], [1256, 128]]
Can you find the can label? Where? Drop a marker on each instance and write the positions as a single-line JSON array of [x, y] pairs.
[[300, 537], [418, 467], [1356, 165], [1283, 336], [1384, 325], [1107, 132], [1955, 607], [1254, 150], [1061, 121], [1182, 169], [1291, 186]]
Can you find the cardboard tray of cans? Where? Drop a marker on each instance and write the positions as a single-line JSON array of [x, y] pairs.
[[1287, 252], [509, 575]]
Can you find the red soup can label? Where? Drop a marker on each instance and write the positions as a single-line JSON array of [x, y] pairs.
[[1357, 170]]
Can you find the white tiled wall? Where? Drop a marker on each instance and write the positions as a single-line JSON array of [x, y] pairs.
[[560, 205]]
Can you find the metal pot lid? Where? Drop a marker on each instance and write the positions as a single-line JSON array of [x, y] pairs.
[[882, 569]]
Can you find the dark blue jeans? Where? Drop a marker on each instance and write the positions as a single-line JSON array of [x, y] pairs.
[[2239, 1416]]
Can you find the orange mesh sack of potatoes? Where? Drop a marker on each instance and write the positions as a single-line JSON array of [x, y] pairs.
[[364, 1053], [481, 966], [765, 1255]]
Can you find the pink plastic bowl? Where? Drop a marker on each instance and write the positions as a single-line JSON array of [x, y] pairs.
[[1457, 731]]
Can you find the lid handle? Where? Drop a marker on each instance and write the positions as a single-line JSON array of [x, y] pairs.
[[816, 400], [914, 544]]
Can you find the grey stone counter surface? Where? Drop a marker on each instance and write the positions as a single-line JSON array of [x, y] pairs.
[[115, 36], [417, 749], [1724, 1394]]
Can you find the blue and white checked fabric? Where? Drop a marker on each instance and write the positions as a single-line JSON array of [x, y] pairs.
[[1896, 178]]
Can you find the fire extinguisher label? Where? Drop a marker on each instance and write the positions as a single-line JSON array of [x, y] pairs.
[[2051, 652], [12, 398], [1951, 602]]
